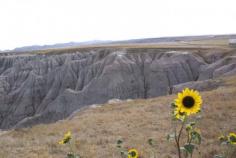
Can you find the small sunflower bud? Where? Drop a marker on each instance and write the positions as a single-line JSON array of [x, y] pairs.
[[188, 127]]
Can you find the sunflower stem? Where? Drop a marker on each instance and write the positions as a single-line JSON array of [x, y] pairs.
[[71, 150], [177, 144], [189, 144], [177, 138]]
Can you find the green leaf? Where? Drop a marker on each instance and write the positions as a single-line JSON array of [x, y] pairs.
[[225, 143], [219, 156], [150, 141], [170, 137], [188, 127], [118, 146], [189, 148], [182, 148], [173, 105], [119, 141], [192, 123], [196, 137], [71, 155], [199, 117], [124, 153]]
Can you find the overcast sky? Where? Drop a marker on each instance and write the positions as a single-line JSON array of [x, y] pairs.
[[29, 22]]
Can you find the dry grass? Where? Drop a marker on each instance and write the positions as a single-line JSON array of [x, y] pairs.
[[200, 44], [170, 45], [212, 42], [96, 130]]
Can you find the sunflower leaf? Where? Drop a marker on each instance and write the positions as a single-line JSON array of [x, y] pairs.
[[189, 148], [170, 137], [123, 153], [151, 141], [173, 105], [182, 148], [196, 136], [118, 146], [198, 117], [192, 123], [119, 141], [219, 156], [71, 155]]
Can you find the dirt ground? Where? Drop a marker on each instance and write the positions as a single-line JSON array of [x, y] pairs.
[[96, 130]]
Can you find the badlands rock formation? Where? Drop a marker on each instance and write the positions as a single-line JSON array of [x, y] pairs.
[[42, 88]]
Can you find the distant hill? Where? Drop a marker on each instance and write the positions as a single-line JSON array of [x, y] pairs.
[[177, 39], [205, 39], [58, 45]]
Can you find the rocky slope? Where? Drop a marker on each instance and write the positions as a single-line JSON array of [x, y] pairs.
[[96, 129], [41, 88]]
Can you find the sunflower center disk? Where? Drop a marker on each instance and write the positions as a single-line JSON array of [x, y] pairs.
[[188, 102], [133, 154], [233, 139]]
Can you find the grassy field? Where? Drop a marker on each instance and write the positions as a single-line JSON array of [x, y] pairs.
[[96, 130], [173, 45], [214, 43], [211, 42]]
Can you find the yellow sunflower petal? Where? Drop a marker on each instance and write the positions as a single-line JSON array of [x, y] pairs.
[[187, 90], [232, 138], [132, 153], [61, 142], [180, 95], [189, 101], [68, 134]]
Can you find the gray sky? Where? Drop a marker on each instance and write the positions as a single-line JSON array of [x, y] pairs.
[[28, 22]]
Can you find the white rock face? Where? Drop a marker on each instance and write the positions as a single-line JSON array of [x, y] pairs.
[[45, 88], [113, 101]]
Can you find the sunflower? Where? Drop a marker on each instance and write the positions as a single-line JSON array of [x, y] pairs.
[[232, 138], [222, 138], [189, 101], [132, 153], [66, 139], [179, 115]]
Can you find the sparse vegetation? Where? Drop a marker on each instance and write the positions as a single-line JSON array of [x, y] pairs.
[[96, 130], [188, 103], [228, 143], [67, 140]]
